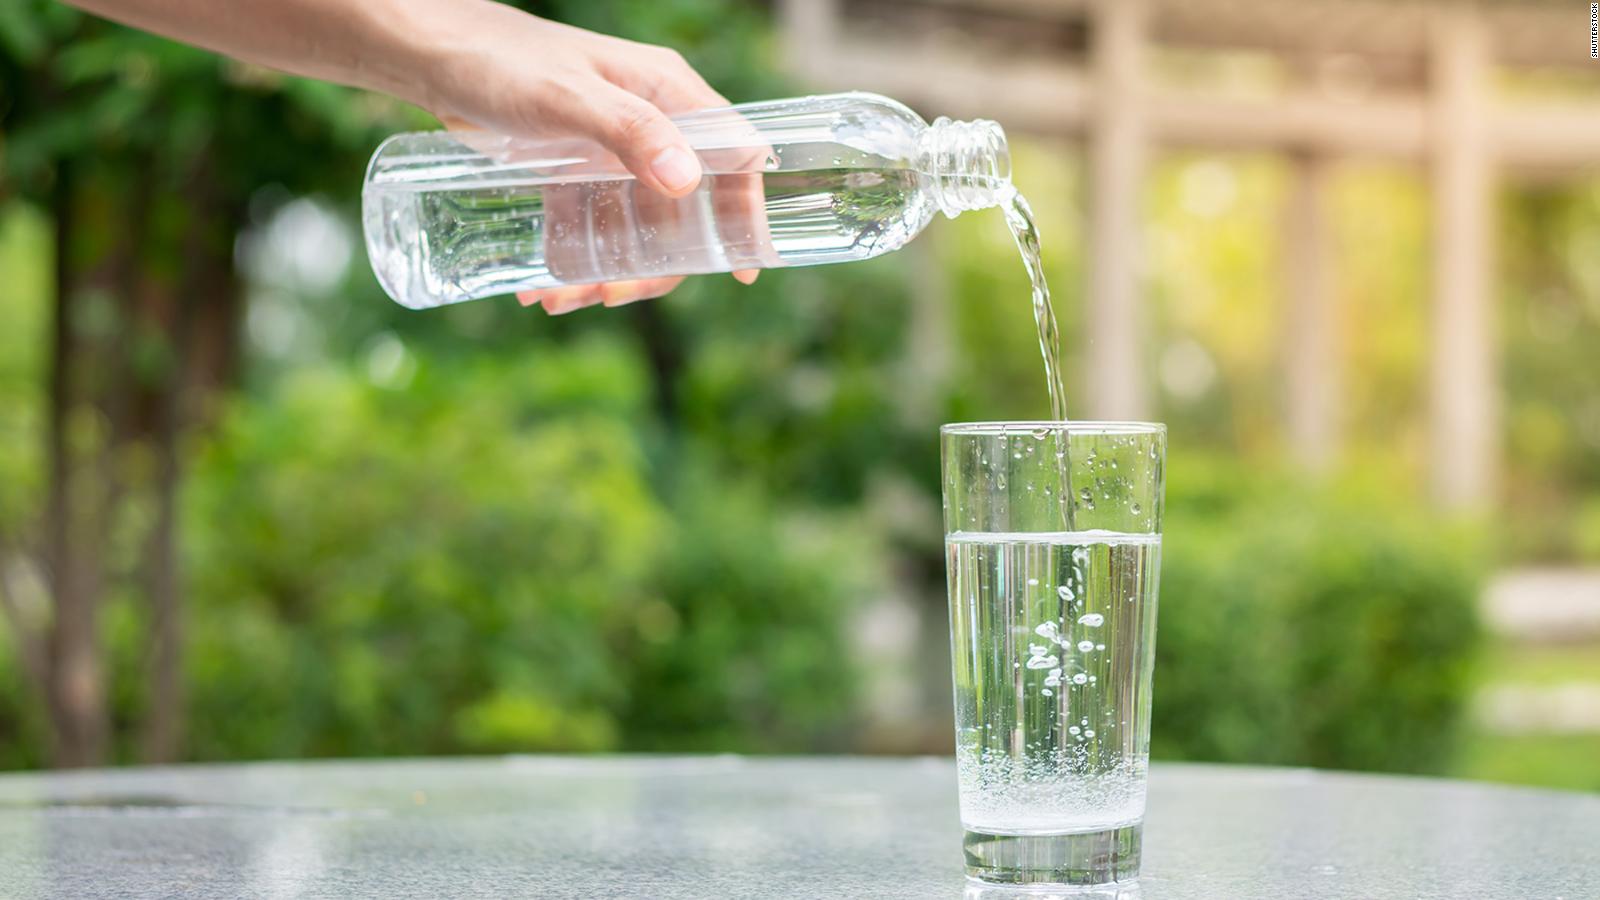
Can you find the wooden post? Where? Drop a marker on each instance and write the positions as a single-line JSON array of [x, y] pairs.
[[807, 27], [1464, 406], [1115, 379], [1311, 321]]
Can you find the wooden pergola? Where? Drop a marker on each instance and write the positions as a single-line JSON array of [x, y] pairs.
[[1395, 79]]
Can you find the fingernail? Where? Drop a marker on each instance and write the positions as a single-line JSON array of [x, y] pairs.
[[676, 168], [747, 276]]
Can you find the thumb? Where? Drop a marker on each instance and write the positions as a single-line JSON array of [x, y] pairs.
[[644, 139]]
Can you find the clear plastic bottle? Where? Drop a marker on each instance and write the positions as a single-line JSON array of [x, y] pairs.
[[453, 216]]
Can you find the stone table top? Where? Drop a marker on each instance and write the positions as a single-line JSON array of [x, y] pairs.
[[674, 828]]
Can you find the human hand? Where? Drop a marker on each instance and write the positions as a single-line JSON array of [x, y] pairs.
[[499, 69]]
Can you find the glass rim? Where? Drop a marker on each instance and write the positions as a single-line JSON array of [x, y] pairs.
[[1071, 427]]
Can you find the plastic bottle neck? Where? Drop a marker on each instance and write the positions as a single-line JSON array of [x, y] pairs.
[[968, 163]]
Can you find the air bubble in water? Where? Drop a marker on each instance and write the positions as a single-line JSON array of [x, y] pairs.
[[1080, 678], [1032, 582], [1015, 455], [1099, 646], [1048, 631], [1093, 620], [1044, 662], [1041, 433], [1134, 509], [1065, 593], [1047, 692], [1088, 732], [1085, 646], [1074, 730]]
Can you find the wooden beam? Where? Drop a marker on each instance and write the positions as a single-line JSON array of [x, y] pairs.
[[1540, 33], [1115, 379], [1463, 389], [1053, 99]]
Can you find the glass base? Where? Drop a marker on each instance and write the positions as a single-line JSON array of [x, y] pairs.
[[1083, 860]]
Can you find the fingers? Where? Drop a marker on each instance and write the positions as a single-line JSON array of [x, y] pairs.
[[561, 300], [643, 138]]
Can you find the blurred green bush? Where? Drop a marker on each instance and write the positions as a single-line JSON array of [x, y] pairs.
[[480, 560], [1329, 625]]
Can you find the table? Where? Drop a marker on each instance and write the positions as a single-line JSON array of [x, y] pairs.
[[673, 828]]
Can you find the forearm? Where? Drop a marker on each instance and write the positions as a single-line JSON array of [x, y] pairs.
[[383, 45]]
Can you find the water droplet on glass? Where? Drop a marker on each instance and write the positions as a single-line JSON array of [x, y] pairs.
[[1000, 481], [1041, 433], [773, 161], [1085, 646], [1093, 620], [1134, 509]]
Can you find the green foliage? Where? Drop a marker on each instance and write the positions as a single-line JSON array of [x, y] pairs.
[[1326, 626], [480, 561], [735, 655], [1551, 316]]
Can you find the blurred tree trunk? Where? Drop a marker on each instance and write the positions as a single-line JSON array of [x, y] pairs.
[[144, 337], [81, 487], [197, 319]]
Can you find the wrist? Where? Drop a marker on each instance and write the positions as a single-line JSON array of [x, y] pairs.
[[420, 48]]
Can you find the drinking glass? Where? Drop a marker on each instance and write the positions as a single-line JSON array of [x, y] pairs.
[[1053, 547]]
